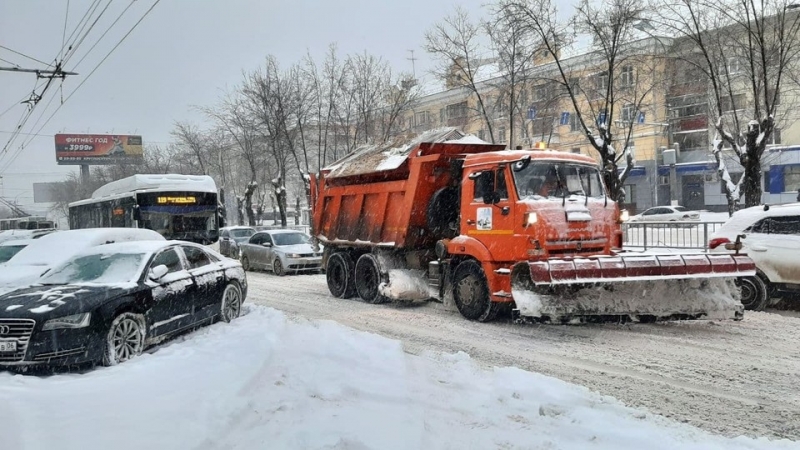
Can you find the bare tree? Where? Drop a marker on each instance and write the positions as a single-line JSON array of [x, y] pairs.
[[456, 43], [615, 61], [748, 54], [514, 45], [190, 138]]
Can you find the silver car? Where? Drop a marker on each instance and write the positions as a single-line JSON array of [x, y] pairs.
[[281, 251], [231, 237]]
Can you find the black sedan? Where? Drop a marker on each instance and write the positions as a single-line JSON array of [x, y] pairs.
[[110, 303]]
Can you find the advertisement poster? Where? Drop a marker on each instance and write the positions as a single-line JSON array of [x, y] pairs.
[[98, 148]]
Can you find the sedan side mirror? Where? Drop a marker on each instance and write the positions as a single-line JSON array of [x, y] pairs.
[[266, 244], [158, 272]]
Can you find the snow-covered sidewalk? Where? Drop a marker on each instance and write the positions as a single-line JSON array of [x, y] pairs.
[[266, 381]]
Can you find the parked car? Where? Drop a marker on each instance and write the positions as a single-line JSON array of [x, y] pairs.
[[108, 304], [48, 251], [9, 235], [771, 237], [667, 214], [281, 251], [8, 249], [231, 237]]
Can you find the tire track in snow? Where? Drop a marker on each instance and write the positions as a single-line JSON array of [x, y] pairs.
[[731, 377]]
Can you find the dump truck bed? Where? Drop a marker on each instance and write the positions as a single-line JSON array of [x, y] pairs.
[[379, 195]]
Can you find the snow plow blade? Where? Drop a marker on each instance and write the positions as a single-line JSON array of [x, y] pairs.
[[637, 288]]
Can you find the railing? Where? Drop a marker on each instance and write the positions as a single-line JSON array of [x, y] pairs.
[[687, 235]]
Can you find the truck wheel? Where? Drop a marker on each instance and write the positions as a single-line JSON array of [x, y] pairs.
[[368, 279], [754, 293], [339, 275], [471, 292]]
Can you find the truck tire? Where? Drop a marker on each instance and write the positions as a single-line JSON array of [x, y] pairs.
[[754, 293], [339, 275], [368, 278], [471, 292]]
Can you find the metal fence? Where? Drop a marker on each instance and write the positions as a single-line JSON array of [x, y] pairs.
[[689, 235]]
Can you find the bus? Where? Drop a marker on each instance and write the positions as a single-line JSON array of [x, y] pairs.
[[184, 207], [26, 223]]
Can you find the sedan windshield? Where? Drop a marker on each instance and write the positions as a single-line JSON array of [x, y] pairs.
[[291, 238], [8, 251], [547, 179], [117, 268]]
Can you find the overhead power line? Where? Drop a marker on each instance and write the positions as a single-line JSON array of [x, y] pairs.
[[24, 55]]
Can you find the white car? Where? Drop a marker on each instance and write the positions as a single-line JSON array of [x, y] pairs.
[[770, 235], [9, 249], [667, 214], [49, 251], [9, 235]]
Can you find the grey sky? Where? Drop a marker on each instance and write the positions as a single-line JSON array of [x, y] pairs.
[[186, 52]]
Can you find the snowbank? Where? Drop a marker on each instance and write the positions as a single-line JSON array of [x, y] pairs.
[[268, 382]]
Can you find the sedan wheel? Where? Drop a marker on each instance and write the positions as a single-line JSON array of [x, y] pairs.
[[125, 339], [277, 268], [231, 302], [245, 263]]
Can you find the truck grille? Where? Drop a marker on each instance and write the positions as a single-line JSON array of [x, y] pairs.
[[21, 330], [576, 247]]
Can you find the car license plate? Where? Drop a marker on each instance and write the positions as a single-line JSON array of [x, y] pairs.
[[8, 346]]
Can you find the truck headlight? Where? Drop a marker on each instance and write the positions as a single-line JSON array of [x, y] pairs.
[[68, 322], [624, 216], [531, 218]]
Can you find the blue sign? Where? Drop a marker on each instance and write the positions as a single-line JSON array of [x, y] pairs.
[[640, 118], [531, 113], [564, 118]]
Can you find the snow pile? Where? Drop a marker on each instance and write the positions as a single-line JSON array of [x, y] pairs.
[[468, 139], [267, 382], [406, 284]]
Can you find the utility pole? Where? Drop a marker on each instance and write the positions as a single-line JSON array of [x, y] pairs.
[[413, 67]]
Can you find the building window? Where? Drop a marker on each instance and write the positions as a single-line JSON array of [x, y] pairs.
[[482, 134], [540, 93], [574, 122], [542, 126], [734, 65], [791, 178], [628, 113], [576, 150], [775, 137], [601, 81], [732, 103], [422, 118], [501, 135], [663, 180], [626, 77], [630, 193], [442, 116], [692, 141], [457, 110]]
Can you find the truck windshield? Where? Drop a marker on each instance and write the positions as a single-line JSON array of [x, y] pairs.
[[551, 179]]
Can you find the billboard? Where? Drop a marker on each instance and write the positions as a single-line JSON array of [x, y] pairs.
[[98, 148], [45, 192]]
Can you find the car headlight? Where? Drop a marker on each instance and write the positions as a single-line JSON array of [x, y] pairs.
[[293, 255], [68, 322]]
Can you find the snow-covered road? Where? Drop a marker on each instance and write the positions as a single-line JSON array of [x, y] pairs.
[[731, 378]]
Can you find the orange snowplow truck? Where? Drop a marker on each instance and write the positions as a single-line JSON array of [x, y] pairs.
[[450, 217]]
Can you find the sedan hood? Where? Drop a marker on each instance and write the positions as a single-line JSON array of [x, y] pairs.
[[14, 276], [43, 302], [297, 248]]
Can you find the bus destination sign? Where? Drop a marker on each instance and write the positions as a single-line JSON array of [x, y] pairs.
[[182, 200]]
